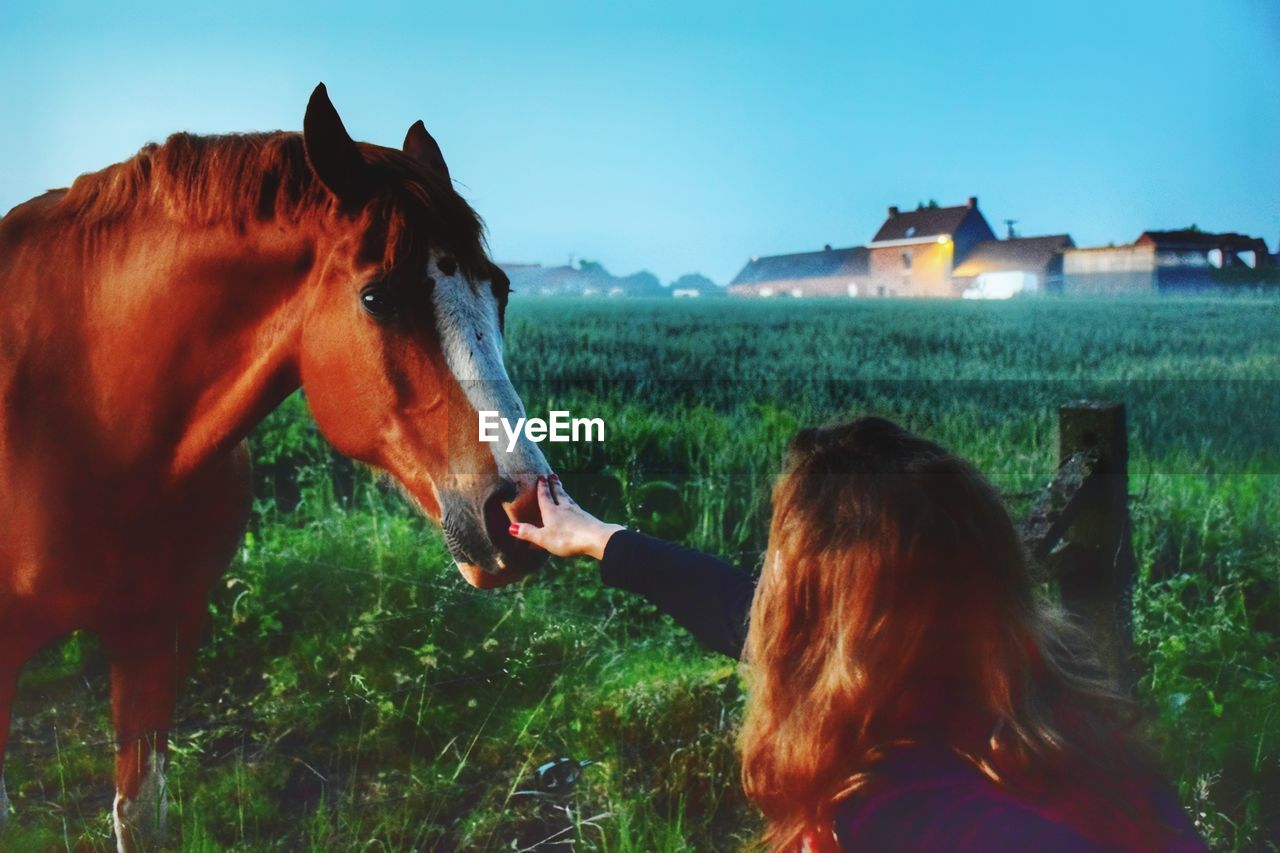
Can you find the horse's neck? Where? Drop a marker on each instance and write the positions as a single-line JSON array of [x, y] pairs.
[[197, 332]]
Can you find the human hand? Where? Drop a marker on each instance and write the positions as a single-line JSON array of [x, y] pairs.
[[567, 529]]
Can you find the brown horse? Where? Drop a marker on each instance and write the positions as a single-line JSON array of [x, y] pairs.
[[155, 312]]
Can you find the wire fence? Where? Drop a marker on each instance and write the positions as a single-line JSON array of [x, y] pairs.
[[48, 746], [244, 727]]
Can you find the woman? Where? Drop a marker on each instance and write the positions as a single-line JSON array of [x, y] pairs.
[[907, 690]]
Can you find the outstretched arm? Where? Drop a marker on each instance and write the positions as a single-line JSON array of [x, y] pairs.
[[706, 596]]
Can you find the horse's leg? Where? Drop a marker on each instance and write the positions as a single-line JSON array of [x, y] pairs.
[[143, 689], [8, 685], [146, 675], [17, 643], [147, 669]]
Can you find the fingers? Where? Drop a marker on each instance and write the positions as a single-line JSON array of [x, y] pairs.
[[557, 491], [553, 490], [531, 532], [528, 533], [552, 501], [546, 500]]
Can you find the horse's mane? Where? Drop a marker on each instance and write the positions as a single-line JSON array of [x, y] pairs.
[[247, 177], [204, 179]]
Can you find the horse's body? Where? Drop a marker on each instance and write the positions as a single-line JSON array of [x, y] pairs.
[[152, 314]]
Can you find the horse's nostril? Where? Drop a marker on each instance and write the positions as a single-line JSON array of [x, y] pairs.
[[506, 492], [495, 515]]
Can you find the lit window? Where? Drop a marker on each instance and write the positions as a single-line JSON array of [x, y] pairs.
[[911, 231]]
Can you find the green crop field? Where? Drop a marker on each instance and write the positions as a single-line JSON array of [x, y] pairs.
[[356, 694]]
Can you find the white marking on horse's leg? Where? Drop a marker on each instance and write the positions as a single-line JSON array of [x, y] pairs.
[[141, 818], [4, 803]]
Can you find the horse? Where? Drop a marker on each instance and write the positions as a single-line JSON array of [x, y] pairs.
[[156, 311]]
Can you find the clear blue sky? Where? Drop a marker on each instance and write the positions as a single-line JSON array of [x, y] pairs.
[[688, 137]]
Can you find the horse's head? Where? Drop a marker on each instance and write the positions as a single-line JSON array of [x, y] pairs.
[[402, 343]]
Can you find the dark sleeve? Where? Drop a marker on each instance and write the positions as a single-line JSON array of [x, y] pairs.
[[1184, 837], [706, 596], [957, 818], [929, 802]]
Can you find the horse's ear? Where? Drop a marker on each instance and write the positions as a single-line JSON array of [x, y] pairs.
[[332, 153], [419, 145]]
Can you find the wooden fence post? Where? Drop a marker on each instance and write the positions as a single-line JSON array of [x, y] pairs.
[[1094, 564]]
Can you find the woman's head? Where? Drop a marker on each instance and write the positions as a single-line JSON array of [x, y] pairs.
[[894, 606]]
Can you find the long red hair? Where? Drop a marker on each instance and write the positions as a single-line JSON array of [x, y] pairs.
[[895, 606]]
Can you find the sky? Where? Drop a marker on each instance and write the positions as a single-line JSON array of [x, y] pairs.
[[680, 136]]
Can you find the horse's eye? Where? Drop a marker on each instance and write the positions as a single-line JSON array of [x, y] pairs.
[[377, 302]]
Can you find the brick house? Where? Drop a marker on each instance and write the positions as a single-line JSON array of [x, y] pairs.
[[914, 253], [929, 252]]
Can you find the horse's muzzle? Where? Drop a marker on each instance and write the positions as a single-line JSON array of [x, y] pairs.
[[488, 556]]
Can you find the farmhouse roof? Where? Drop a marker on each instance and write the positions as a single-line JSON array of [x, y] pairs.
[[1016, 253], [924, 222], [1187, 238], [822, 264]]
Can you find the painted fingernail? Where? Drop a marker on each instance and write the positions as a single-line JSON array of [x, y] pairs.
[[513, 529], [555, 477], [542, 479]]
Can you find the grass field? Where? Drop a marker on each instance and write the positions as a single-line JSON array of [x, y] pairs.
[[356, 694]]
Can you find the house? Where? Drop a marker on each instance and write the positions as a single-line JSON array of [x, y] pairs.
[[949, 252], [927, 252], [1109, 270], [1167, 262], [1191, 259], [999, 269], [829, 272], [914, 253], [586, 279], [535, 279]]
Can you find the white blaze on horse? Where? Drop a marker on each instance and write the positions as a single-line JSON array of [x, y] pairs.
[[155, 312]]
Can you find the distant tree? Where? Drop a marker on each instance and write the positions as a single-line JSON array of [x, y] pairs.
[[933, 203], [696, 281], [640, 282], [591, 276]]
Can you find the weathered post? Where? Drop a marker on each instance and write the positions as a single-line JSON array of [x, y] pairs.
[[1095, 564]]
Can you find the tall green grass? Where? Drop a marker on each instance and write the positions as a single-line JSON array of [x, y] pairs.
[[357, 694]]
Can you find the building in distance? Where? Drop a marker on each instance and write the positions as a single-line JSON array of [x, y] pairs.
[[999, 269], [1181, 261], [931, 252], [914, 254], [828, 272]]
